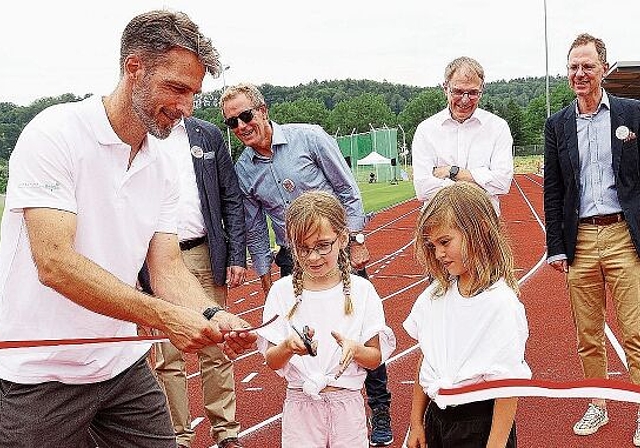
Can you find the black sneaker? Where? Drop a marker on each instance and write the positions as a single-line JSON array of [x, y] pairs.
[[380, 421]]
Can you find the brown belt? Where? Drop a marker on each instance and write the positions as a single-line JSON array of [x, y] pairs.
[[190, 244], [603, 220]]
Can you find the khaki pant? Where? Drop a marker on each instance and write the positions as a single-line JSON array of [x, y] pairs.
[[605, 257], [215, 369]]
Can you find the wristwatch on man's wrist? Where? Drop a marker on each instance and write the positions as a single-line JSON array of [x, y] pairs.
[[211, 311], [453, 172], [356, 238]]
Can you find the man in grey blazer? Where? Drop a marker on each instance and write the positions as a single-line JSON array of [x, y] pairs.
[[592, 214], [211, 232]]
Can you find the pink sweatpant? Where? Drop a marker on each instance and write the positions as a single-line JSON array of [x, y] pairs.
[[337, 420]]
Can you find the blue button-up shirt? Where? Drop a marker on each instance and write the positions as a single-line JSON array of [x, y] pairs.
[[304, 157], [597, 181]]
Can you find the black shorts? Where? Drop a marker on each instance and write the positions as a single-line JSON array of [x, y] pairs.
[[463, 426]]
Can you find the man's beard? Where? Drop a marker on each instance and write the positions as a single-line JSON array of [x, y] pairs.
[[142, 106]]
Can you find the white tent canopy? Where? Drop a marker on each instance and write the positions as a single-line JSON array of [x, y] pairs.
[[374, 159]]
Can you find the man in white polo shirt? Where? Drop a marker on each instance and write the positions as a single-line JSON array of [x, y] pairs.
[[87, 201]]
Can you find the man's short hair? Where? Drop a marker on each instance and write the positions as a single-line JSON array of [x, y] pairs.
[[249, 90], [584, 39], [153, 34], [466, 63]]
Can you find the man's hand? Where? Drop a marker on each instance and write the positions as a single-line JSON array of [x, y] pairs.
[[188, 330], [441, 172], [560, 266], [235, 342], [359, 255], [235, 276]]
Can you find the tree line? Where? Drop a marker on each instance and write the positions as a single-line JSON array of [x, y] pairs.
[[342, 107]]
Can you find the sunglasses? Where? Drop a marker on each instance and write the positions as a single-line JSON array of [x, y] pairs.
[[246, 117]]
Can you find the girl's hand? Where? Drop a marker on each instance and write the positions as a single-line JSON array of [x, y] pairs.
[[417, 437], [349, 348], [296, 345]]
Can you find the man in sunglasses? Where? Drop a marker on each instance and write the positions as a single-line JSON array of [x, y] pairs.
[[463, 142], [279, 163]]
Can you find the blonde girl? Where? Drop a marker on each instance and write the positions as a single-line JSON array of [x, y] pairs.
[[469, 323], [323, 406]]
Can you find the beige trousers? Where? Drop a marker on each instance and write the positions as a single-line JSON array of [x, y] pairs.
[[216, 370], [605, 258]]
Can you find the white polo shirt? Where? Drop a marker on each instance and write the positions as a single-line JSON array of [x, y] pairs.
[[69, 158]]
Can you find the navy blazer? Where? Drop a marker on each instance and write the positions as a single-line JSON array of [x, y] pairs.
[[220, 198], [562, 174]]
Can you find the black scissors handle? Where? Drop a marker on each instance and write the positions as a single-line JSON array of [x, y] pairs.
[[306, 340]]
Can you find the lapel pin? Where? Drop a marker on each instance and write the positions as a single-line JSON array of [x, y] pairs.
[[622, 133], [197, 152]]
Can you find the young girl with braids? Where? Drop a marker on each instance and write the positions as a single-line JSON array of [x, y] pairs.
[[469, 323], [344, 315]]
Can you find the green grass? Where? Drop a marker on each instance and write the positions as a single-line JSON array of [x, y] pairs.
[[527, 164], [380, 195]]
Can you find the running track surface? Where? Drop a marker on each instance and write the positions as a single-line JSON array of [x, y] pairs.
[[551, 349]]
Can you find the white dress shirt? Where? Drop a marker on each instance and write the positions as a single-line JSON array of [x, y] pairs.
[[481, 144]]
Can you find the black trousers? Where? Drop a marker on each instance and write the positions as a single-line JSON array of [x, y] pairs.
[[463, 426]]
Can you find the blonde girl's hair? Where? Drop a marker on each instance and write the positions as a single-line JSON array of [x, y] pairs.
[[306, 214], [485, 248]]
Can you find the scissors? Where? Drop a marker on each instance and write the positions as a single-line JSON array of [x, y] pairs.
[[306, 339]]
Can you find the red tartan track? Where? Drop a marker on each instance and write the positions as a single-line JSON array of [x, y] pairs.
[[541, 422]]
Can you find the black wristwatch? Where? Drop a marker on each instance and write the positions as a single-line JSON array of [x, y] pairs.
[[356, 238], [453, 172], [211, 311]]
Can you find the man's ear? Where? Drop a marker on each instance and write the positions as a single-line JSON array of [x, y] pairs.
[[133, 66]]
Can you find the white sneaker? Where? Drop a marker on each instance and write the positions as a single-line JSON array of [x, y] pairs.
[[636, 435], [592, 420]]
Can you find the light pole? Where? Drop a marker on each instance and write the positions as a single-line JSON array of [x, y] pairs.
[[224, 87], [404, 146], [546, 57]]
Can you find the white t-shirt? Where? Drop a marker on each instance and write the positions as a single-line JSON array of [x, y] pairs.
[[324, 312], [190, 220], [69, 158], [469, 340], [482, 144]]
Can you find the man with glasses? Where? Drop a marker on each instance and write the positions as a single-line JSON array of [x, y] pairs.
[[279, 163], [592, 215], [463, 142], [89, 198]]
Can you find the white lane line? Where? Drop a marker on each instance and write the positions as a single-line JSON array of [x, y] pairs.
[[196, 421], [193, 375], [249, 377]]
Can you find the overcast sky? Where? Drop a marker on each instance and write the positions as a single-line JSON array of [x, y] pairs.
[[50, 48]]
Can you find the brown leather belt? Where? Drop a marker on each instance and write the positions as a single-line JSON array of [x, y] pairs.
[[190, 244], [603, 220]]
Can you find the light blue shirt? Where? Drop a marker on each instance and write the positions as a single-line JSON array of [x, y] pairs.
[[597, 181], [304, 157]]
